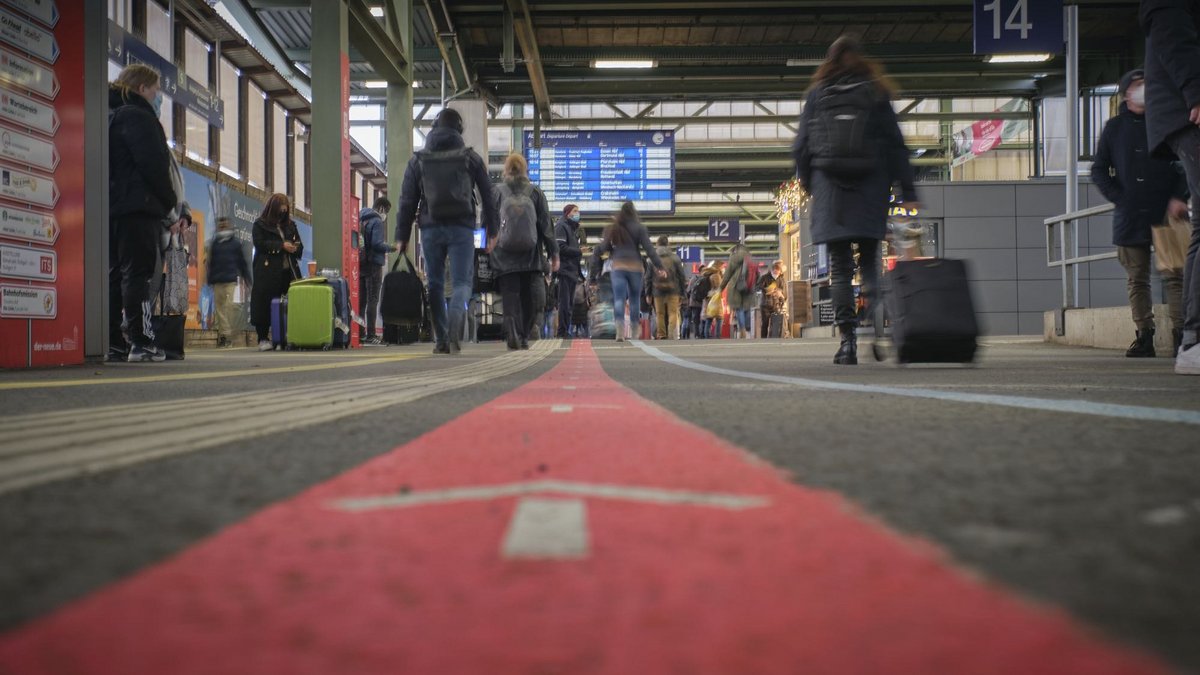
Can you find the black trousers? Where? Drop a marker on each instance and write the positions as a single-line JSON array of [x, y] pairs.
[[516, 292], [841, 271], [370, 283], [566, 303], [134, 265]]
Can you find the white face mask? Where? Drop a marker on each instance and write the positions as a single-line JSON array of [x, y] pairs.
[[1137, 95]]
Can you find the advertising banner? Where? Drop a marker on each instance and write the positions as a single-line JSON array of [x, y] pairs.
[[41, 185], [986, 135]]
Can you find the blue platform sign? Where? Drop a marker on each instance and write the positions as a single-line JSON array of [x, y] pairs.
[[600, 170], [124, 48], [724, 229], [1019, 26], [690, 254]]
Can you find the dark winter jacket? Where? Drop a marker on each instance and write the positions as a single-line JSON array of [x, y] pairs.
[[375, 247], [227, 259], [675, 274], [1139, 185], [139, 163], [411, 197], [859, 210], [740, 295], [627, 256], [1172, 29], [508, 262], [270, 266], [566, 233]]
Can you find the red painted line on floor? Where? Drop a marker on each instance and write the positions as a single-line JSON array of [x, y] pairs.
[[802, 585]]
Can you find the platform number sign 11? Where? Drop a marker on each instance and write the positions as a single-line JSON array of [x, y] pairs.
[[1018, 26], [724, 229]]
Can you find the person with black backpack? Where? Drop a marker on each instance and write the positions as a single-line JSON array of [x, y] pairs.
[[525, 227], [849, 151], [668, 292], [440, 183]]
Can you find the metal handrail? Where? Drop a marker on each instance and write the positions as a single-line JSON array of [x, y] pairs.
[[1068, 263]]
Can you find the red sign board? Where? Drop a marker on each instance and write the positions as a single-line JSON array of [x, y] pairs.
[[349, 206], [41, 189]]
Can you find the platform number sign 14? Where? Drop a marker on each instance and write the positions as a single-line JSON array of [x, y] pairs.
[[724, 229], [1018, 26]]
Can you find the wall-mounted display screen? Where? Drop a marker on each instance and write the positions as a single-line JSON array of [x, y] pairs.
[[599, 170]]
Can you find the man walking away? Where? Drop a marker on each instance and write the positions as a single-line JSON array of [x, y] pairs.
[[371, 261], [439, 183], [566, 233], [774, 296], [668, 292], [1172, 29], [226, 263]]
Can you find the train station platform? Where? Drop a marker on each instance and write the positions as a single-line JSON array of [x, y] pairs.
[[591, 507]]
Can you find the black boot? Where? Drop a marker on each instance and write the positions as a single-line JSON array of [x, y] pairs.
[[847, 353], [1176, 340], [1143, 346], [510, 334]]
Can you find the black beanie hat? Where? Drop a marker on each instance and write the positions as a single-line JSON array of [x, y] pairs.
[[568, 209], [1128, 78], [448, 118]]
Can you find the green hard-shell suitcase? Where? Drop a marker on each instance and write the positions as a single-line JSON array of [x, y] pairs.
[[310, 316]]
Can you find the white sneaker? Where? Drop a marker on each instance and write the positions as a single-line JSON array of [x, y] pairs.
[[1188, 361], [265, 346]]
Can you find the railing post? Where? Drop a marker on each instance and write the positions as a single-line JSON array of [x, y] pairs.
[[1071, 285]]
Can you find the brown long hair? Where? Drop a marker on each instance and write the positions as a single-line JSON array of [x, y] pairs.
[[846, 57], [135, 76], [617, 233], [275, 205]]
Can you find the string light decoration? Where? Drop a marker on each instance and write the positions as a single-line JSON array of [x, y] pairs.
[[790, 199]]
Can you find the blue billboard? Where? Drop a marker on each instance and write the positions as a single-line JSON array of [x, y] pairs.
[[599, 170]]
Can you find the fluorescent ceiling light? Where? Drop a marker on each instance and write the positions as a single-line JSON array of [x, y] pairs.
[[1018, 58], [377, 12], [375, 84], [813, 63], [622, 63]]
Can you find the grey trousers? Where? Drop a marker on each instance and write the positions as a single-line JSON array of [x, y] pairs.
[[1186, 144]]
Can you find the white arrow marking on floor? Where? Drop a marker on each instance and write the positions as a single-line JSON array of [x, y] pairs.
[[547, 529]]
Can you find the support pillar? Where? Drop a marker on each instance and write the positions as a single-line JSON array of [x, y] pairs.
[[95, 188], [398, 132], [331, 188]]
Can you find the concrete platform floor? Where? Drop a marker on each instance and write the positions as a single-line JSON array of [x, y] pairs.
[[1069, 476]]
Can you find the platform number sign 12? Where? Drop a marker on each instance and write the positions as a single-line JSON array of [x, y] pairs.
[[1018, 26], [724, 229]]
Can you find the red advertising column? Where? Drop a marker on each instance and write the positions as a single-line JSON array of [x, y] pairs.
[[350, 205], [41, 185]]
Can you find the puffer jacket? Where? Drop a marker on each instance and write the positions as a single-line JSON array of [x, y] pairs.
[[508, 262], [139, 162], [375, 247]]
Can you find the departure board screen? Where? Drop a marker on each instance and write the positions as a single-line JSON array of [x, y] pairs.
[[600, 170]]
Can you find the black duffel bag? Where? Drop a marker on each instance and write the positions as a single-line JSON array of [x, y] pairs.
[[403, 299]]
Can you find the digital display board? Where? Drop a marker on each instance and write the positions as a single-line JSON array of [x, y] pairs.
[[600, 170]]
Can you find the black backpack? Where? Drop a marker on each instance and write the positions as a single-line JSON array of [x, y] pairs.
[[447, 186], [837, 130], [403, 299], [518, 220]]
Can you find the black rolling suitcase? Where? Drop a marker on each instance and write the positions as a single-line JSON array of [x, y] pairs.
[[933, 317], [775, 326]]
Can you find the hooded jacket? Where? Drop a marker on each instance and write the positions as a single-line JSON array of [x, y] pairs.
[[508, 262], [1136, 183], [740, 295], [139, 162], [375, 247], [411, 197], [1172, 29], [859, 210], [675, 273], [227, 259], [566, 233]]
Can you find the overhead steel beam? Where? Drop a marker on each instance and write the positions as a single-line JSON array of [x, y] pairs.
[[462, 75], [523, 25], [385, 54], [668, 120]]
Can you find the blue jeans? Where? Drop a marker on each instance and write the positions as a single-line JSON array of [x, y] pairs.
[[457, 244], [627, 287], [741, 317]]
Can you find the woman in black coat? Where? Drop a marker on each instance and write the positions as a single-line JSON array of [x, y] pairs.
[[518, 271], [277, 251], [851, 192]]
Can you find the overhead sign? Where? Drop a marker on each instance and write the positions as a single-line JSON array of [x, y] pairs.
[[124, 48], [27, 112], [600, 170], [45, 11], [1019, 26], [690, 254], [29, 74], [26, 149], [29, 37], [28, 226], [724, 229], [27, 187], [23, 262], [28, 302]]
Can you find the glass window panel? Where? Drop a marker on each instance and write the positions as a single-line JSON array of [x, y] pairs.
[[158, 30], [196, 135], [229, 135], [256, 144], [195, 54], [279, 150]]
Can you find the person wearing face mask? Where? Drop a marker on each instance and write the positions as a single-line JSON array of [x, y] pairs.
[[141, 199], [566, 233], [277, 251], [1144, 190]]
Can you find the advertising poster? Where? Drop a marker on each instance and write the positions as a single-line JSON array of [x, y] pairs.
[[349, 205], [41, 185]]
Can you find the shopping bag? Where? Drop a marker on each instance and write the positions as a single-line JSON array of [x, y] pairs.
[[1171, 244]]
